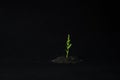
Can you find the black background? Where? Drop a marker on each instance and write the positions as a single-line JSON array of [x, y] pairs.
[[32, 33]]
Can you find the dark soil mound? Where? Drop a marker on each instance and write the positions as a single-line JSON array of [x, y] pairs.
[[71, 59]]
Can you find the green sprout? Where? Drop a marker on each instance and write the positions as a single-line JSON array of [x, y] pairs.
[[68, 45]]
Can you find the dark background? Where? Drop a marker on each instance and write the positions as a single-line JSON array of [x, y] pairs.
[[36, 33]]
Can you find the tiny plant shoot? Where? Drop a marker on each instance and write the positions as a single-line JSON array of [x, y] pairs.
[[68, 45]]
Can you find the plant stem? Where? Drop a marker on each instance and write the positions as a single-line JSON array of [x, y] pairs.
[[68, 45], [67, 51]]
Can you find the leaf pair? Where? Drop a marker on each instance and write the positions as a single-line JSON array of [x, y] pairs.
[[68, 42], [68, 45]]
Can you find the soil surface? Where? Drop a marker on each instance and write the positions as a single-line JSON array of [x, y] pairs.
[[39, 71], [70, 60]]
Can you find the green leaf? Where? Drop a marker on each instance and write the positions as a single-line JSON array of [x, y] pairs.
[[69, 45]]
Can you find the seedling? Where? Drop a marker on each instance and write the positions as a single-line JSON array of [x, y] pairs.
[[67, 59], [68, 45]]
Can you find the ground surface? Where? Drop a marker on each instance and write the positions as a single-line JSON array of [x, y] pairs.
[[50, 71]]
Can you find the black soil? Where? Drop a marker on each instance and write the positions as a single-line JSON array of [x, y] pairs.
[[70, 60]]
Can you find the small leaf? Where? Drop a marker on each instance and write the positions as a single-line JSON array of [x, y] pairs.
[[69, 45]]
